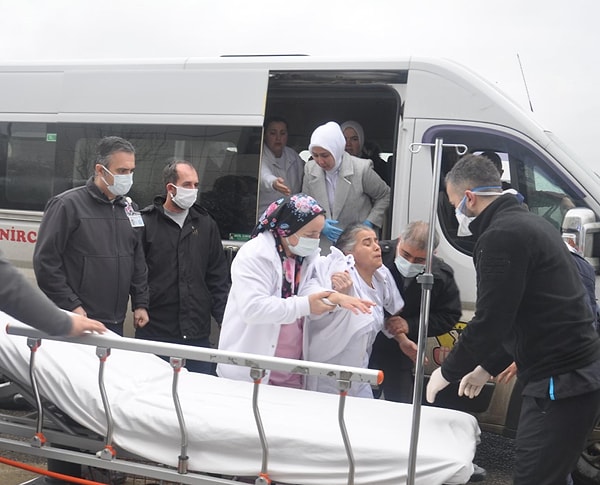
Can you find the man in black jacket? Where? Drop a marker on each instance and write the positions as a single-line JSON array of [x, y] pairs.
[[187, 270], [531, 308], [405, 258], [88, 258]]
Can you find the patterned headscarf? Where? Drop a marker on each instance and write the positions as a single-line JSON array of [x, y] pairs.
[[283, 218], [287, 215]]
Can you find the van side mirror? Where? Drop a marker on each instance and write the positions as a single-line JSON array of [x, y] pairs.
[[581, 221]]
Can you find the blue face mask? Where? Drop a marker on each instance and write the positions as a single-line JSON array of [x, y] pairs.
[[463, 219]]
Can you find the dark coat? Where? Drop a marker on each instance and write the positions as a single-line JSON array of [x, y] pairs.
[[88, 254], [188, 274], [531, 305], [445, 308]]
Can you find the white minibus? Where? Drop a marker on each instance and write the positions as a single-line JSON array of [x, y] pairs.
[[211, 112]]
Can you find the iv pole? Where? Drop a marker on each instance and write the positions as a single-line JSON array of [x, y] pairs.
[[426, 281]]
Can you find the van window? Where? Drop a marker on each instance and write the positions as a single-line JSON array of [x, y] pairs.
[[27, 164], [39, 160], [546, 190]]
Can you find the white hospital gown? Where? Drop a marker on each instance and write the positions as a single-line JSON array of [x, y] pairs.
[[341, 337]]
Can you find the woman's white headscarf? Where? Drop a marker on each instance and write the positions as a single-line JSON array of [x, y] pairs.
[[355, 125], [330, 137]]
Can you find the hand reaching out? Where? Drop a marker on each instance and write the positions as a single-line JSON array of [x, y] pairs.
[[279, 186], [80, 324], [327, 301]]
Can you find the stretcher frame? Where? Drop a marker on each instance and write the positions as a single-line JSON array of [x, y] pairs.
[[100, 452]]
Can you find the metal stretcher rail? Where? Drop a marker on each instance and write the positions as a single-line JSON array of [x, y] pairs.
[[178, 353]]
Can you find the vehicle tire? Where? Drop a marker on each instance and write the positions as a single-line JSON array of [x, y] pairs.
[[587, 471]]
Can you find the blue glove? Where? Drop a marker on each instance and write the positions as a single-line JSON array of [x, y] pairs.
[[368, 223], [331, 231]]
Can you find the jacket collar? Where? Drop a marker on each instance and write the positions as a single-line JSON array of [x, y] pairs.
[[98, 195], [483, 220], [159, 200]]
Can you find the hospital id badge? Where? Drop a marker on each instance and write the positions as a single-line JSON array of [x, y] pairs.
[[136, 220]]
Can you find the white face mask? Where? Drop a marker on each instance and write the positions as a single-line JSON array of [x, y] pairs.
[[121, 183], [463, 219], [408, 269], [184, 198], [305, 247]]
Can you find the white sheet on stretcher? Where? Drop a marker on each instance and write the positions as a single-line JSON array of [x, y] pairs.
[[305, 445]]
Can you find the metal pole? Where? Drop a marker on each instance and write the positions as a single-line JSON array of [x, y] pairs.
[[426, 282], [177, 364], [343, 386], [38, 439], [108, 453], [263, 478]]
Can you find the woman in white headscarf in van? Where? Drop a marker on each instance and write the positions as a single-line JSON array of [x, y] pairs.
[[346, 186]]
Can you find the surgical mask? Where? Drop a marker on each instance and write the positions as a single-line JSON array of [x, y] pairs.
[[184, 198], [305, 247], [121, 183], [408, 269], [463, 219]]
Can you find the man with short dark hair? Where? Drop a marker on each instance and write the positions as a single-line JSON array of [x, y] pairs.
[[531, 308], [187, 270], [88, 258]]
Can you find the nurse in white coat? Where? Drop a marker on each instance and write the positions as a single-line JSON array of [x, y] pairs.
[[265, 310]]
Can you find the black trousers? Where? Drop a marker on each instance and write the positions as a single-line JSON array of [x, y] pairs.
[[398, 380], [551, 436]]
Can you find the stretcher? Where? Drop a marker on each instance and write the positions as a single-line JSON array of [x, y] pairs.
[[147, 417]]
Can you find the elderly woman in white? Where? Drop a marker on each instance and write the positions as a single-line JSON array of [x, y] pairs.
[[354, 266]]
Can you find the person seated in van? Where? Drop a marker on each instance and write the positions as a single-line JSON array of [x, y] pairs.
[[354, 266], [272, 289], [347, 186], [405, 259], [281, 169], [357, 146], [493, 157]]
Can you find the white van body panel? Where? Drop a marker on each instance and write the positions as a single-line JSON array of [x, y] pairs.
[[233, 91]]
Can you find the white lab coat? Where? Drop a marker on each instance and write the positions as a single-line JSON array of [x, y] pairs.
[[255, 309], [290, 167]]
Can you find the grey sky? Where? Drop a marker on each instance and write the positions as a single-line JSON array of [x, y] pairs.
[[556, 40]]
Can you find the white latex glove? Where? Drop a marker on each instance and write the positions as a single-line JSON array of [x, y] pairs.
[[472, 383], [436, 384]]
